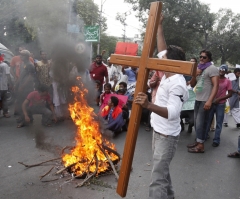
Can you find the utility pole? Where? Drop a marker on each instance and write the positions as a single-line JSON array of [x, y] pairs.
[[100, 26], [124, 32]]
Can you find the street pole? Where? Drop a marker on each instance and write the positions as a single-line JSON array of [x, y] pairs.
[[100, 20]]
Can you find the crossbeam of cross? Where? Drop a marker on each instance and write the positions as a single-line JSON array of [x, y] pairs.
[[145, 63]]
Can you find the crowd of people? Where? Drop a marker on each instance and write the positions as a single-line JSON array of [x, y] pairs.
[[170, 100]]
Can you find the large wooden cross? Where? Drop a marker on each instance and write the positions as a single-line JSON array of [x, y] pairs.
[[145, 63]]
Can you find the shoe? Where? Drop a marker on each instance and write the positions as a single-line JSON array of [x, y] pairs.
[[238, 125], [234, 155], [214, 144], [225, 124], [197, 149], [192, 145]]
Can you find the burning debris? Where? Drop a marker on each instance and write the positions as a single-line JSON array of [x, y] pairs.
[[92, 155]]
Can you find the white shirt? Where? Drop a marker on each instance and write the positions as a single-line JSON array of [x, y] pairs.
[[4, 71], [172, 93]]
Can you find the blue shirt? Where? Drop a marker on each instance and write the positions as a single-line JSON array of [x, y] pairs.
[[131, 75]]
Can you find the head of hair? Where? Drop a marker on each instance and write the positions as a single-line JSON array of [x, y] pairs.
[[175, 53], [114, 100], [98, 82], [124, 84], [98, 56], [236, 70], [42, 88], [208, 53], [107, 85]]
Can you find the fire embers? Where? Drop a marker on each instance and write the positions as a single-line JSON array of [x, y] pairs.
[[91, 154]]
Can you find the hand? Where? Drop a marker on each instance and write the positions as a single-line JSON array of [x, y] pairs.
[[207, 105], [199, 72], [216, 101], [27, 119], [142, 99]]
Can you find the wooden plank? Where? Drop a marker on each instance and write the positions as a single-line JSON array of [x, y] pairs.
[[125, 60], [131, 138], [168, 65]]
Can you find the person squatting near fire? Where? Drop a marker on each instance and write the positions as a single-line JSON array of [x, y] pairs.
[[218, 105], [5, 83], [206, 81], [112, 114], [165, 120], [37, 102]]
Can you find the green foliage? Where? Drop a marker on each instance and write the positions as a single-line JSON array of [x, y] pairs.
[[191, 25]]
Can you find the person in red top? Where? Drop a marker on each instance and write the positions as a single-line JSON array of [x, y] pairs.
[[35, 103], [218, 106], [98, 70], [16, 63]]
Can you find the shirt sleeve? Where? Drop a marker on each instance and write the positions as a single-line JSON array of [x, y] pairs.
[[30, 96], [175, 102], [213, 72], [160, 54], [7, 68]]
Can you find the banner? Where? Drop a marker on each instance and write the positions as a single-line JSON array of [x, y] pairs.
[[122, 100], [91, 33], [189, 104]]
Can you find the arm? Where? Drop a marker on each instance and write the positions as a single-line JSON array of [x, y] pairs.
[[161, 43], [142, 99], [24, 109], [107, 79], [208, 103], [53, 112], [196, 72], [216, 101]]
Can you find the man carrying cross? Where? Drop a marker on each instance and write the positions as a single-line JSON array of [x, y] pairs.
[[165, 119]]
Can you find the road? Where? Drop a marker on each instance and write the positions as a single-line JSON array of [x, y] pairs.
[[211, 175]]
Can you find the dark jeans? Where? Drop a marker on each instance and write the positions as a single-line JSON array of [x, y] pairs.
[[3, 95], [42, 110], [219, 110], [189, 114], [201, 118]]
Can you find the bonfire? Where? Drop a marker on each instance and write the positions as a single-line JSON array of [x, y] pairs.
[[92, 155]]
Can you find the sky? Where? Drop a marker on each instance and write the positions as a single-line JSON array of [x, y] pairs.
[[110, 9]]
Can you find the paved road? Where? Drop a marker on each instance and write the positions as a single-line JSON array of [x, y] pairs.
[[211, 175]]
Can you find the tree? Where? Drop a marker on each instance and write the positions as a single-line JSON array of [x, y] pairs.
[[225, 39]]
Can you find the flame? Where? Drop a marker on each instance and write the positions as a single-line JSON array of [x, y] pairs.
[[88, 137]]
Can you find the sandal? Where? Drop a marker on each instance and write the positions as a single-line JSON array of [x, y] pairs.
[[234, 155], [20, 125], [195, 150]]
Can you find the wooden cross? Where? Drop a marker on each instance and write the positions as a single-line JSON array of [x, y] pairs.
[[145, 63]]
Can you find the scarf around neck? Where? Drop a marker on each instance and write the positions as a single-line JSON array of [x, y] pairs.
[[204, 66]]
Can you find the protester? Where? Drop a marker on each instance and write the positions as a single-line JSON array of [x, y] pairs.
[[112, 113], [112, 71], [43, 69], [17, 62], [36, 103], [26, 81], [165, 120], [5, 80], [206, 82], [218, 105], [98, 71], [107, 91], [131, 73], [234, 100]]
